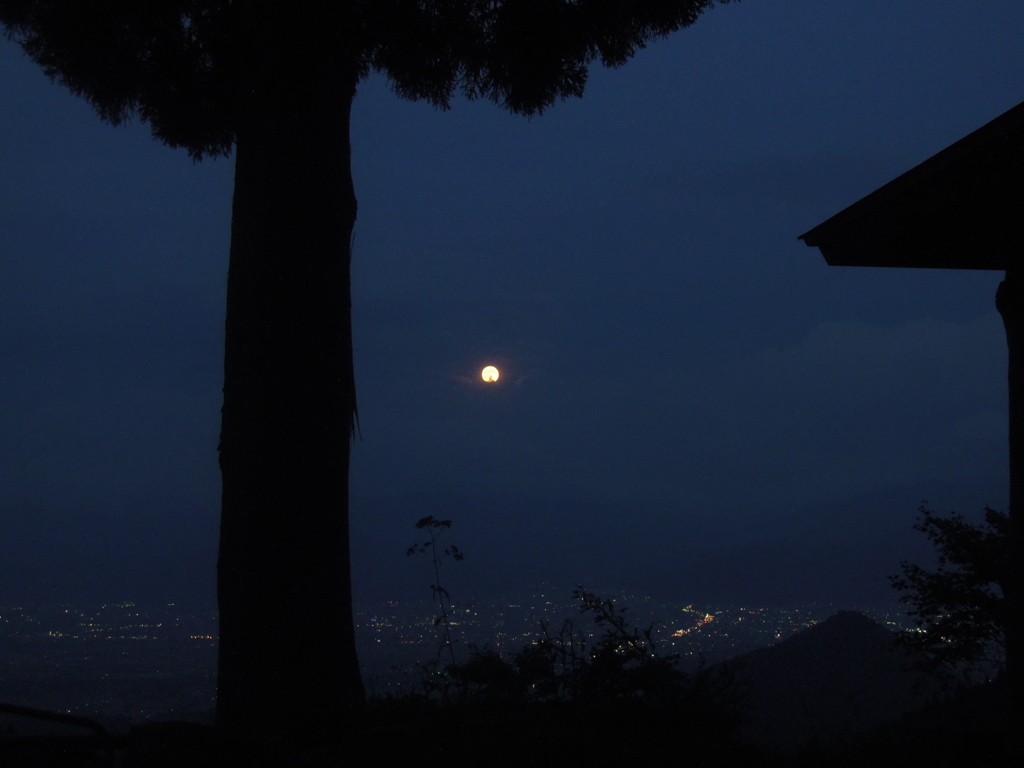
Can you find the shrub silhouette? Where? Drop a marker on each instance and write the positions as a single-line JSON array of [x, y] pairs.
[[432, 549], [621, 666]]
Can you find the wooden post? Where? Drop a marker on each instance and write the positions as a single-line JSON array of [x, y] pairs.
[[1010, 303]]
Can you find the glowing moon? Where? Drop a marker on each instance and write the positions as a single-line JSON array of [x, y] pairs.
[[489, 374]]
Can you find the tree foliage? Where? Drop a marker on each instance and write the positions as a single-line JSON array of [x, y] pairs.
[[959, 606], [186, 66]]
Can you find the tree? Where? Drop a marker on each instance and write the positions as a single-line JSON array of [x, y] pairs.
[[275, 82], [959, 607]]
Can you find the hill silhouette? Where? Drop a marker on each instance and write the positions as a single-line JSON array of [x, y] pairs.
[[825, 686]]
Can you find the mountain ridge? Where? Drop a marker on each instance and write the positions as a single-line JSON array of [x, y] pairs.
[[825, 685]]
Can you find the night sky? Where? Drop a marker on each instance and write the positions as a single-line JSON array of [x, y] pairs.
[[692, 404]]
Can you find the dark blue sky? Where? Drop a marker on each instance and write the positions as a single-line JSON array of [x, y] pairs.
[[692, 403]]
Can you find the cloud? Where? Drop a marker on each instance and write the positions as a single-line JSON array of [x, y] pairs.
[[853, 407]]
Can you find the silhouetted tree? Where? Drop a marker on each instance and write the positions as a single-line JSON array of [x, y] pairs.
[[958, 607], [275, 81]]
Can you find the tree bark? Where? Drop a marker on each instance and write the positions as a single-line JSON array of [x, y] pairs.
[[287, 662]]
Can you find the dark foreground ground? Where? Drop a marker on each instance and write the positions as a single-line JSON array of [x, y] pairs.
[[973, 728]]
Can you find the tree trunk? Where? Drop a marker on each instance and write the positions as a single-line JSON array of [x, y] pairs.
[[287, 667]]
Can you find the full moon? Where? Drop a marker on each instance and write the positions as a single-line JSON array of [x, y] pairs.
[[489, 374]]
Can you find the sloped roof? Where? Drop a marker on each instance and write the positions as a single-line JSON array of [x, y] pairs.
[[962, 208]]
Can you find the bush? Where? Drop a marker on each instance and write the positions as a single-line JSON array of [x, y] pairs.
[[623, 665]]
